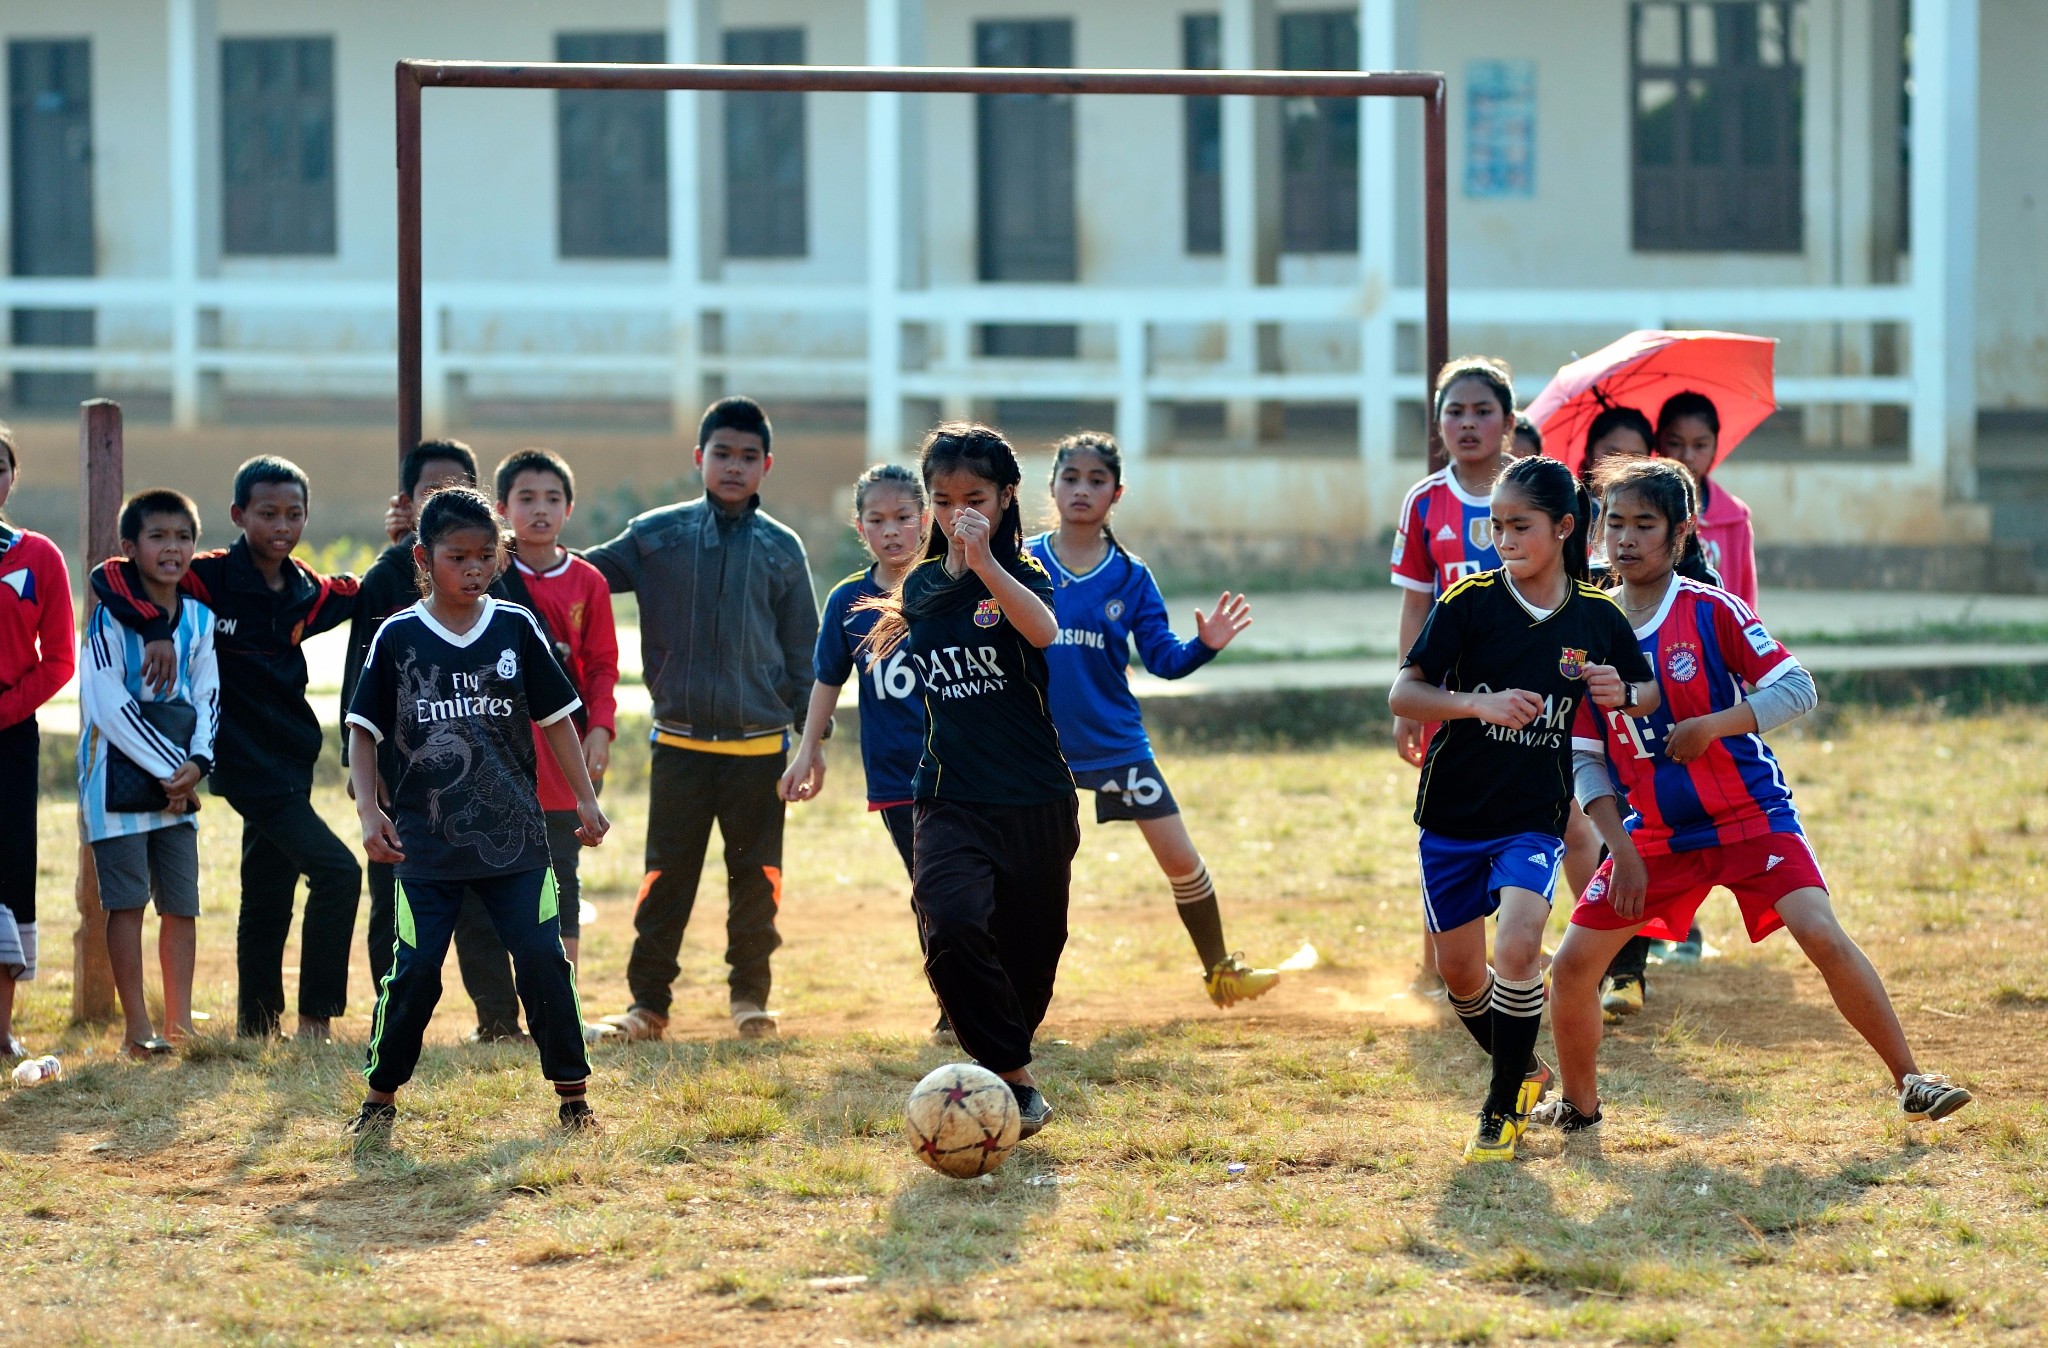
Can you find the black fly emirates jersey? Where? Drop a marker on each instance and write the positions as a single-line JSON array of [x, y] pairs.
[[989, 738], [1487, 781], [460, 712]]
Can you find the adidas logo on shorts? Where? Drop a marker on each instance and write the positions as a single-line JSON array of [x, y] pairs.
[[1539, 859], [1770, 863]]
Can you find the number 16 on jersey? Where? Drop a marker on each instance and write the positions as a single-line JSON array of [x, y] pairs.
[[893, 677]]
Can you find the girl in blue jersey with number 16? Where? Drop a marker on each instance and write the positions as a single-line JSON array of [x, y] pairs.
[[1103, 598]]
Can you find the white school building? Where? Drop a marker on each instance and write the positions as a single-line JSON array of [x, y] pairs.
[[200, 212]]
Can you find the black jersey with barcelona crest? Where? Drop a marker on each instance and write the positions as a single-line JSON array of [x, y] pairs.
[[460, 711], [1488, 781], [989, 736]]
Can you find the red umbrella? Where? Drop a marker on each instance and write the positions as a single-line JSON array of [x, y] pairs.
[[1645, 368]]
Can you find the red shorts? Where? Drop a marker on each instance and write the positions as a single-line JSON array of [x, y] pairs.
[[1760, 871]]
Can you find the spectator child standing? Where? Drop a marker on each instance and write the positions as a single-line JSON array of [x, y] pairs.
[[141, 849], [727, 626], [1689, 430], [265, 603], [38, 653]]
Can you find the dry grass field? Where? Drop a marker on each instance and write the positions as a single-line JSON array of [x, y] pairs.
[[1754, 1183]]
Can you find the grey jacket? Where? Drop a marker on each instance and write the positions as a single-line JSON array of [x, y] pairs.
[[728, 621]]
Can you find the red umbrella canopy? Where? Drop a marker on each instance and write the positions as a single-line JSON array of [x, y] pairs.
[[1642, 370]]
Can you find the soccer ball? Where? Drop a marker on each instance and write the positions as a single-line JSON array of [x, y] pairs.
[[962, 1120]]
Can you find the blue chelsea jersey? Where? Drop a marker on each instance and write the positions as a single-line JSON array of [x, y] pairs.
[[1100, 613], [891, 702]]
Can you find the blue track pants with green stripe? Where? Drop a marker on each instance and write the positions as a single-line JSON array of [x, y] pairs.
[[523, 908]]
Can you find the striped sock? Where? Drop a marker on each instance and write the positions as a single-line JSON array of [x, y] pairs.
[[572, 1090], [1194, 898], [1517, 1016], [1476, 1012]]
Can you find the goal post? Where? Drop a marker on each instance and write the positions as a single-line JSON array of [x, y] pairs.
[[415, 76]]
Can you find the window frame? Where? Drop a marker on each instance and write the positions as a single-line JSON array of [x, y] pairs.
[[280, 209], [618, 216], [788, 235], [1319, 201]]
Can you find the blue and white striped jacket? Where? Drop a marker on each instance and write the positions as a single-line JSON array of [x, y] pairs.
[[110, 686]]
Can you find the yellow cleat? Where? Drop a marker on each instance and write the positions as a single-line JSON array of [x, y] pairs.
[[1535, 1085], [1624, 997], [1233, 981], [1495, 1138]]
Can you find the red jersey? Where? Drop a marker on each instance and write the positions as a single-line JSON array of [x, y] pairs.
[[1705, 645], [1445, 535], [1729, 541], [38, 645], [574, 605]]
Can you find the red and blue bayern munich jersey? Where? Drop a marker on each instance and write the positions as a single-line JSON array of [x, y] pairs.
[[1705, 645], [1445, 535]]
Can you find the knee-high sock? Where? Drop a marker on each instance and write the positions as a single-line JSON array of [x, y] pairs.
[[1194, 898], [1475, 1013], [1517, 1015]]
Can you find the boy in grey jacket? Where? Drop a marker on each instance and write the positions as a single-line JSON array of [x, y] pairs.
[[727, 626]]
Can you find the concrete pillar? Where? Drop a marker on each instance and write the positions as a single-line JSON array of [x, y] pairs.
[[1251, 194], [692, 38], [192, 48], [895, 36], [1944, 239]]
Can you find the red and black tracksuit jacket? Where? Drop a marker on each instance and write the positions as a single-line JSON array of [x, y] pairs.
[[269, 737]]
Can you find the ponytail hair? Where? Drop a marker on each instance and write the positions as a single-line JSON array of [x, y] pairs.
[[1670, 491], [1103, 446], [955, 446], [1550, 487]]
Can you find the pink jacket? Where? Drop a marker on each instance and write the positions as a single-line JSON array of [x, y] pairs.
[[1730, 543]]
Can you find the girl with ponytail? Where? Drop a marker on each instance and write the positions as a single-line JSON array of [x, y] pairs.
[[1105, 598], [1506, 661], [994, 815]]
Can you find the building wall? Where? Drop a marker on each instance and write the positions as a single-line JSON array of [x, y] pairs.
[[2012, 204]]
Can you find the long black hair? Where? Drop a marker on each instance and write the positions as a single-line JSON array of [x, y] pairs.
[[956, 446], [1549, 486], [1614, 419], [448, 511], [1103, 446], [1670, 491]]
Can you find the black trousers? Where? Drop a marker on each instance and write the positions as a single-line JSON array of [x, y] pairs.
[[990, 885], [497, 1004], [523, 910], [284, 837], [486, 967], [688, 791], [901, 821], [21, 746]]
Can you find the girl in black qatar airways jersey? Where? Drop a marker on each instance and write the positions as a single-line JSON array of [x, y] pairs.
[[458, 682], [997, 821], [1504, 662]]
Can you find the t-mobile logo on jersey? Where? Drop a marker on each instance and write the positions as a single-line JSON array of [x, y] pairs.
[[467, 702], [960, 671]]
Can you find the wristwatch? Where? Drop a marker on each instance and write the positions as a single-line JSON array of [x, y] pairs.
[[1628, 697]]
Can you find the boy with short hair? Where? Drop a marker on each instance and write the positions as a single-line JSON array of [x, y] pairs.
[[728, 622], [536, 496], [265, 603], [144, 853]]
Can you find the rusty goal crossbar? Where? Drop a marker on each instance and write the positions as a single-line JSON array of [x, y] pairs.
[[414, 76]]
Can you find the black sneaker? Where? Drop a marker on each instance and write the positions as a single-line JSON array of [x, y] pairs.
[[1930, 1095], [373, 1119], [577, 1117], [1033, 1109], [1564, 1116], [942, 1035]]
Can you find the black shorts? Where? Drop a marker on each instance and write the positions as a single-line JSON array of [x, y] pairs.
[[1134, 791]]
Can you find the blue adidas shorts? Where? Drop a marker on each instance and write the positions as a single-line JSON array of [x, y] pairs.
[[1462, 877], [1133, 791]]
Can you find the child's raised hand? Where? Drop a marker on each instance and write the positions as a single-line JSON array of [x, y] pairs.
[[1513, 709], [398, 517], [591, 825], [380, 836], [1233, 613], [970, 535]]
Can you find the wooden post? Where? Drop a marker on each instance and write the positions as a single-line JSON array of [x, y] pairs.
[[99, 519]]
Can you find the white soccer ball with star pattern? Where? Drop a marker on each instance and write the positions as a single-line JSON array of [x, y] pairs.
[[962, 1120]]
